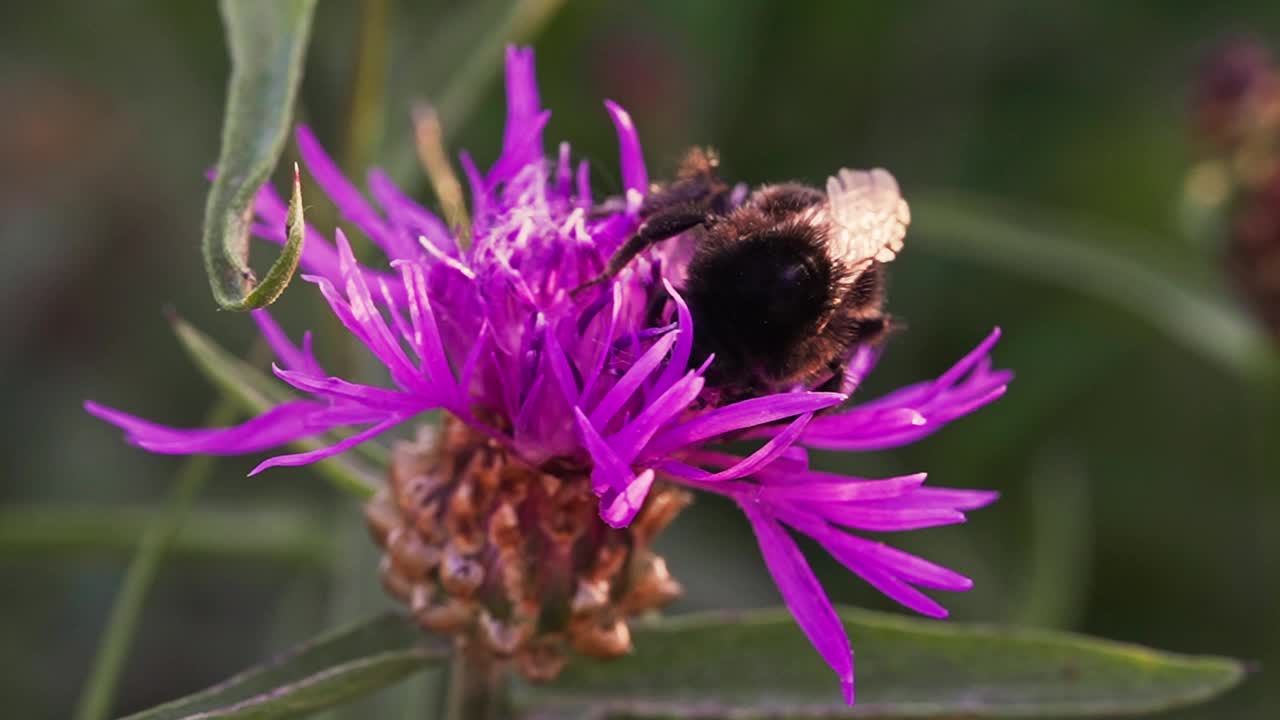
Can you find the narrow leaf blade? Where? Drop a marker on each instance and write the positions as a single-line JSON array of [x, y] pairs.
[[1057, 252], [760, 664], [328, 671], [267, 41], [252, 389]]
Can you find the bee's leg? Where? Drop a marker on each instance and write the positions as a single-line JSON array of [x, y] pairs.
[[836, 382], [657, 304], [871, 331], [662, 225]]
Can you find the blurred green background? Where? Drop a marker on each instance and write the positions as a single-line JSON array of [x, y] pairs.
[[1138, 475]]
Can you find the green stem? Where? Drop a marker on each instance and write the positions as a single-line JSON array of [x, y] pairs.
[[1056, 579], [478, 687], [99, 691], [466, 84], [274, 535], [368, 87], [525, 18], [1263, 418]]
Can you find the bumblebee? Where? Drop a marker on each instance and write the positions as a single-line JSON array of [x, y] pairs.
[[784, 285]]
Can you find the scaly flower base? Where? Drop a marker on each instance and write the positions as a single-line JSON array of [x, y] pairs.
[[515, 559]]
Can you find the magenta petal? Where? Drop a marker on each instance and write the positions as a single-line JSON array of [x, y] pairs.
[[913, 412], [741, 415], [856, 516], [818, 488], [444, 258], [969, 361], [307, 458], [435, 361], [343, 413], [410, 218], [610, 470], [583, 182], [630, 381], [285, 351], [531, 407], [634, 175], [887, 436], [479, 196], [523, 105], [910, 568], [338, 389], [803, 594], [861, 557], [894, 588], [763, 456], [790, 466], [684, 342], [619, 507], [903, 426], [282, 424], [350, 203], [926, 498], [559, 364], [633, 437], [517, 157], [602, 354], [473, 358], [372, 327], [863, 361]]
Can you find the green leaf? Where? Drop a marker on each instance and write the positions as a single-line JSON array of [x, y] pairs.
[[325, 672], [254, 392], [267, 41], [1054, 252], [759, 664]]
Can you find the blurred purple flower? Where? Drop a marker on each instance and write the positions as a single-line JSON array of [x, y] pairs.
[[491, 335]]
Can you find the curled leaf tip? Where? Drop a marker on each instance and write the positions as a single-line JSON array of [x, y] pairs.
[[266, 42]]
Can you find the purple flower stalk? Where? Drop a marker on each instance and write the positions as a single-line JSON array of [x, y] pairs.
[[492, 335]]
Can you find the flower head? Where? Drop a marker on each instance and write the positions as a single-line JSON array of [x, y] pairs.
[[548, 390]]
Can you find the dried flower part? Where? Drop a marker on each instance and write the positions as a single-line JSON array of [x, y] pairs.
[[1236, 110], [480, 545], [1253, 252], [1236, 113], [1234, 83]]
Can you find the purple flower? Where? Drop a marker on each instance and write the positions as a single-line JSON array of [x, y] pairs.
[[491, 335]]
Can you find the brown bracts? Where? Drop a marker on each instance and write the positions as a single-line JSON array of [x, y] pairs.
[[515, 558]]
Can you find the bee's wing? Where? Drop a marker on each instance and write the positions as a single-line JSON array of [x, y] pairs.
[[869, 217]]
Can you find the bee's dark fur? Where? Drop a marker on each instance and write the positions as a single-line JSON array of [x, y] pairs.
[[767, 297]]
